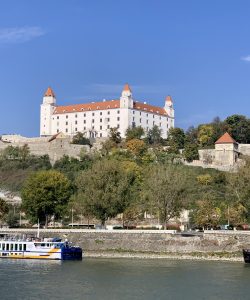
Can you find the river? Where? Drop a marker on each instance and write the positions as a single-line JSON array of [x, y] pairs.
[[123, 279]]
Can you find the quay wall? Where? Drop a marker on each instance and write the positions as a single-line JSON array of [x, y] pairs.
[[146, 240]]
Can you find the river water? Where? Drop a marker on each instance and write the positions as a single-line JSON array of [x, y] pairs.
[[123, 279]]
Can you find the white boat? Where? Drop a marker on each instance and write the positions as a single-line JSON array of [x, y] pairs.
[[35, 248]]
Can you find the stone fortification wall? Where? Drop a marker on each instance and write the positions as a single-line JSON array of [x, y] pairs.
[[148, 241], [55, 148], [244, 149]]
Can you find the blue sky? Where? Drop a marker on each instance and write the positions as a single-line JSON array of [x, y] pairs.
[[196, 51]]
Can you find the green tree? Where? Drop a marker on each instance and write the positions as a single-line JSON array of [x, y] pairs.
[[205, 135], [106, 189], [134, 133], [154, 136], [4, 208], [115, 135], [176, 137], [44, 194], [80, 139], [239, 128], [165, 190], [190, 152]]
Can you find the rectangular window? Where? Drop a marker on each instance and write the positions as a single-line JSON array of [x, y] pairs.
[[140, 120], [84, 121], [93, 114], [133, 118], [76, 129], [66, 116], [118, 118], [57, 117], [100, 127], [57, 130], [76, 122], [66, 123], [84, 128], [140, 113], [84, 115], [7, 247], [100, 113], [108, 119], [66, 130], [108, 127], [93, 127], [3, 246], [133, 112], [147, 121], [100, 134], [118, 126], [153, 122], [108, 112], [153, 116], [118, 111], [93, 121], [76, 115], [147, 115], [100, 120], [11, 247], [160, 124]]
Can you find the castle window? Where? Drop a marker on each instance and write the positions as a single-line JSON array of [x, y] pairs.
[[118, 126], [82, 109], [100, 113], [133, 118], [100, 120], [147, 121], [57, 130], [76, 129], [100, 127], [76, 122], [153, 116], [108, 127], [160, 117], [108, 119], [84, 115], [108, 107], [93, 127], [153, 122], [84, 128], [84, 121], [118, 118], [66, 130], [140, 120], [100, 134], [66, 123], [118, 111], [57, 117], [108, 112], [76, 115], [147, 115], [160, 124], [93, 121], [140, 113], [67, 116], [93, 114], [133, 112]]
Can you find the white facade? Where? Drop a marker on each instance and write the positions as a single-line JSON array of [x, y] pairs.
[[96, 118]]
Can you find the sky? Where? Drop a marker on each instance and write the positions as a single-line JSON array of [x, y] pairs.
[[196, 51]]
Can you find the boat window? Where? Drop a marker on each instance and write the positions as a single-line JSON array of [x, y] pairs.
[[48, 245], [24, 247], [11, 246], [7, 247], [20, 247], [42, 245], [3, 246], [16, 247]]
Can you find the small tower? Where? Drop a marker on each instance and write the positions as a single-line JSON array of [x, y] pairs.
[[126, 100], [169, 108], [226, 150], [47, 108]]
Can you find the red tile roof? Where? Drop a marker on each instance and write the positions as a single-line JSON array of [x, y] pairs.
[[110, 104], [87, 106], [226, 139], [150, 108], [49, 92], [169, 99]]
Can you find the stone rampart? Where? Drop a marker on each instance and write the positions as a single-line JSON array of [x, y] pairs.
[[146, 240]]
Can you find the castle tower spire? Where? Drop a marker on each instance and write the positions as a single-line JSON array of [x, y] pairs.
[[126, 100]]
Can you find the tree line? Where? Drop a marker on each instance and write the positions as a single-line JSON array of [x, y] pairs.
[[131, 176]]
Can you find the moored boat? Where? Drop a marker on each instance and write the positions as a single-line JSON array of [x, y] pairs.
[[35, 248], [246, 255]]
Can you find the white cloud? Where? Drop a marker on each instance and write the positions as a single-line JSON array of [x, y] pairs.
[[246, 58], [19, 34]]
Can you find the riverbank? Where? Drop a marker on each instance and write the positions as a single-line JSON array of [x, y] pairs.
[[233, 257]]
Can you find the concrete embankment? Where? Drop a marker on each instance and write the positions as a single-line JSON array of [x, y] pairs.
[[215, 245]]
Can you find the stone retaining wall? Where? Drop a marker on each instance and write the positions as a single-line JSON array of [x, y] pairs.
[[146, 240]]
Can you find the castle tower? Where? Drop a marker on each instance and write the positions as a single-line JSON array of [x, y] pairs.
[[47, 108], [126, 100], [169, 108]]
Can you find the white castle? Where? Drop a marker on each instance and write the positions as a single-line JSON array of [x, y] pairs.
[[96, 118]]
